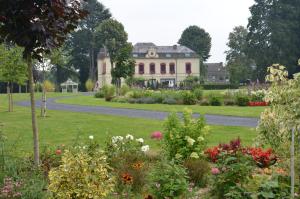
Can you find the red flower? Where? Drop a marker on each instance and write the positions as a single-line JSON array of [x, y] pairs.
[[213, 153], [156, 135], [58, 152], [262, 158]]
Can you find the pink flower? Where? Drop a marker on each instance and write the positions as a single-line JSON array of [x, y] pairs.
[[156, 135], [215, 171]]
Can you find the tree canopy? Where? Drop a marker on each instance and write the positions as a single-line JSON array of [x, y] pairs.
[[238, 63], [82, 45], [274, 34], [198, 40]]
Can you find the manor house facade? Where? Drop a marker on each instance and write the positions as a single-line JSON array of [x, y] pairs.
[[164, 64]]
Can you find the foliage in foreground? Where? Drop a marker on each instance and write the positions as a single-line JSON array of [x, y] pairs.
[[84, 173]]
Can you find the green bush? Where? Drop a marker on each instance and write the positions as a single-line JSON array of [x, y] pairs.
[[84, 173], [204, 102], [169, 100], [198, 171], [215, 100], [109, 92], [242, 99], [124, 89], [188, 98], [168, 180], [89, 85], [198, 92], [127, 156], [229, 102], [120, 100], [187, 139], [219, 86], [99, 94]]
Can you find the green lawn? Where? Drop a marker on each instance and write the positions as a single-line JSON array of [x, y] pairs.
[[218, 110], [62, 127]]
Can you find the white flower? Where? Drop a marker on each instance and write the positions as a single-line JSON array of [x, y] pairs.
[[115, 139], [194, 155], [91, 137], [200, 138], [178, 156], [141, 140], [129, 137], [145, 148], [190, 140]]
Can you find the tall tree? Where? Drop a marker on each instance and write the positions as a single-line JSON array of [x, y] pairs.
[[274, 34], [12, 69], [39, 26], [124, 65], [238, 63], [112, 34], [82, 46], [198, 40]]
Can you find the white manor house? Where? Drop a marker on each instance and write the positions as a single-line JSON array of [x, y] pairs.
[[166, 64]]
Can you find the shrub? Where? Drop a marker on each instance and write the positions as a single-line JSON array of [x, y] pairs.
[[198, 171], [198, 92], [168, 180], [120, 100], [188, 98], [49, 86], [83, 174], [99, 94], [169, 100], [229, 102], [204, 102], [89, 85], [242, 99], [146, 100], [109, 92], [124, 89], [219, 86], [258, 96], [128, 157], [185, 139], [215, 100], [276, 187]]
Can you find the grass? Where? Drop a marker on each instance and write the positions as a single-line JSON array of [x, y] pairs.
[[217, 110], [62, 127]]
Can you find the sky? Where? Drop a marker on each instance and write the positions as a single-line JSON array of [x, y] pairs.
[[163, 21]]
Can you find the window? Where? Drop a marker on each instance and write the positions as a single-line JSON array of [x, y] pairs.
[[135, 55], [188, 68], [152, 68], [141, 68], [163, 68], [168, 55], [187, 54], [172, 68], [104, 69]]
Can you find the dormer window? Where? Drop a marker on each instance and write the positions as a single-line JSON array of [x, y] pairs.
[[168, 55], [135, 55], [187, 54]]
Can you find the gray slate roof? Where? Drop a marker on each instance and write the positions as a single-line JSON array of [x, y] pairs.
[[141, 49]]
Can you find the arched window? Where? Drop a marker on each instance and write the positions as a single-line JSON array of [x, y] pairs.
[[152, 68], [163, 68], [188, 68], [104, 68], [172, 68], [141, 68]]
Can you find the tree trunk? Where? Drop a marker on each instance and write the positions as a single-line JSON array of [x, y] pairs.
[[20, 88], [11, 97], [33, 115], [43, 106]]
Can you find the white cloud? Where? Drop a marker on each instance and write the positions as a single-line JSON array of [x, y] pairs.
[[162, 21]]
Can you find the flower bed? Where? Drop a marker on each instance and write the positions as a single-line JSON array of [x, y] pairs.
[[258, 104]]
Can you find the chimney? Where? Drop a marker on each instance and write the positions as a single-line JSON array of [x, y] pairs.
[[175, 47]]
